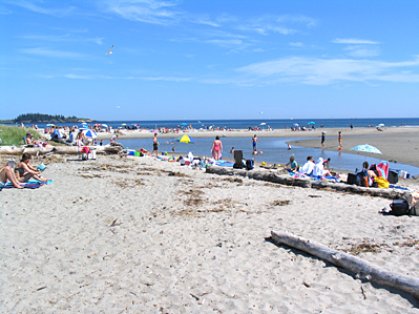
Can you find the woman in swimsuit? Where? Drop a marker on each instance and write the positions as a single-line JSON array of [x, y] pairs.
[[7, 174], [25, 171], [217, 148]]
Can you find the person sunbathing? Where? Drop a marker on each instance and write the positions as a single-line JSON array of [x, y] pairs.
[[366, 175], [292, 165], [7, 175], [319, 170], [308, 167], [25, 171], [30, 142]]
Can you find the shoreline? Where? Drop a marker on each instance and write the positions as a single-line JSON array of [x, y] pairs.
[[132, 134], [399, 144]]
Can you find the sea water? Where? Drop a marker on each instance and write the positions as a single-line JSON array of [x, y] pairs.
[[261, 123], [270, 149]]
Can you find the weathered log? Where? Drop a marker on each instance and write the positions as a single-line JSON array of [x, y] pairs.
[[63, 150], [261, 175], [14, 150], [285, 179], [349, 262]]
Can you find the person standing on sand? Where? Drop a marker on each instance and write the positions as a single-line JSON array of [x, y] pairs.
[[340, 146], [323, 138], [217, 148], [155, 145], [254, 140]]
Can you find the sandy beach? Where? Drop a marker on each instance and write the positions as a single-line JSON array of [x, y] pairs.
[[144, 236], [396, 144]]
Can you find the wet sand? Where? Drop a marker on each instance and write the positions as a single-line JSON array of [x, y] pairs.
[[396, 144]]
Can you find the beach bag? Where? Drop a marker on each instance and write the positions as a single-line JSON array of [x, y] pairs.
[[249, 164], [393, 177], [399, 207], [352, 179], [382, 183]]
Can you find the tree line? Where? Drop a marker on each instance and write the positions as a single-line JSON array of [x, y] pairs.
[[43, 118]]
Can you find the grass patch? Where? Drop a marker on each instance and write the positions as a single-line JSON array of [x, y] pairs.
[[12, 135]]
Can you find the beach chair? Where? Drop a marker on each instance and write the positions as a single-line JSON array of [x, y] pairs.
[[238, 159]]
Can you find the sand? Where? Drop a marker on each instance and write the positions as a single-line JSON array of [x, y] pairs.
[[396, 144], [144, 236]]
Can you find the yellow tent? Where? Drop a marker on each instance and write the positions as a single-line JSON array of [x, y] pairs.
[[185, 139]]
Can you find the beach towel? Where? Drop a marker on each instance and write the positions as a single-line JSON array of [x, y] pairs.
[[398, 187], [224, 163], [31, 184], [383, 168]]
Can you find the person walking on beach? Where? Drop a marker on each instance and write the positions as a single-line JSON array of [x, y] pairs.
[[217, 148], [323, 138], [254, 140], [340, 146]]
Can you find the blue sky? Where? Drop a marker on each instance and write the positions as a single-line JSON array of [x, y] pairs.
[[209, 59]]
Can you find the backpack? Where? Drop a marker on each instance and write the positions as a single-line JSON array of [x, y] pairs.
[[399, 207], [249, 164]]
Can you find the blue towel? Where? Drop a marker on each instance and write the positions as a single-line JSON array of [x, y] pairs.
[[393, 186], [31, 184], [224, 163]]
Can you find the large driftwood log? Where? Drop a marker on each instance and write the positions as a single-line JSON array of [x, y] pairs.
[[14, 150], [63, 150], [349, 262], [285, 179]]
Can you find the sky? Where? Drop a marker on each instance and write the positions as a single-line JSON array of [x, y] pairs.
[[209, 59]]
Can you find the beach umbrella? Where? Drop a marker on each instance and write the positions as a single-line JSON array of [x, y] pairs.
[[90, 133], [366, 148], [296, 124], [104, 125], [185, 139], [263, 123], [50, 125], [380, 125], [311, 123]]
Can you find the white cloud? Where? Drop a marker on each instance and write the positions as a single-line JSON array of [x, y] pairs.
[[46, 52], [33, 6], [83, 74], [166, 78], [145, 11], [63, 38], [283, 24], [354, 41], [296, 44], [225, 42], [362, 51], [316, 71]]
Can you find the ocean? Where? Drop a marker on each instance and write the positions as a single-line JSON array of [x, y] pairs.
[[261, 123]]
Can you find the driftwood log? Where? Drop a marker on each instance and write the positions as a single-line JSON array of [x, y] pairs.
[[349, 262], [285, 179], [261, 175], [63, 150]]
